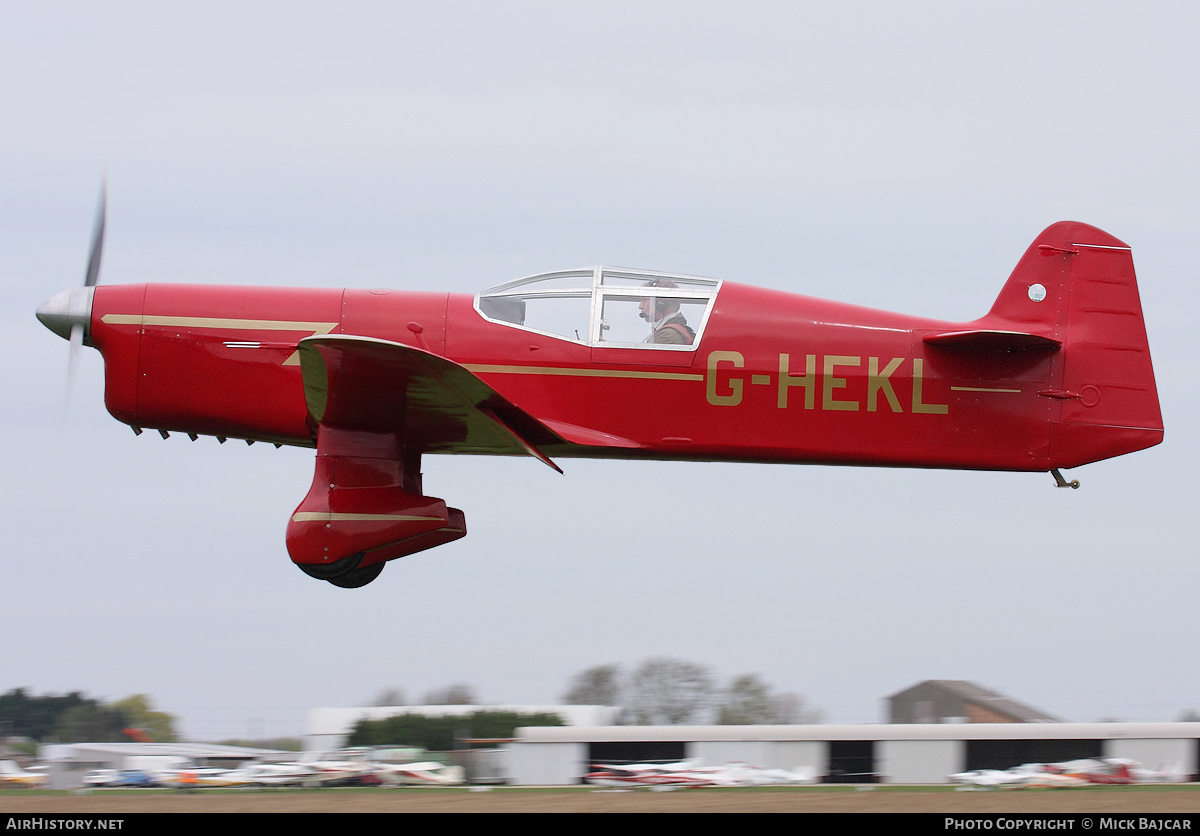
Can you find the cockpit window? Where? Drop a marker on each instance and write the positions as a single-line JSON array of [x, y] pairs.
[[632, 278], [606, 307], [659, 320]]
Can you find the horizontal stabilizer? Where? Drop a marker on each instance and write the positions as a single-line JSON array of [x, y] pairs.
[[434, 404], [985, 339]]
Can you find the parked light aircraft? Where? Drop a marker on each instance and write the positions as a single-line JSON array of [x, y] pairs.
[[13, 775], [318, 771], [617, 363], [423, 773], [1076, 773], [693, 773]]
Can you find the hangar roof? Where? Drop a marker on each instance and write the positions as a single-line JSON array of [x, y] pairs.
[[915, 731]]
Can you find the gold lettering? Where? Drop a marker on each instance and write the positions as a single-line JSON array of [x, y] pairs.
[[735, 383], [808, 380], [877, 380], [830, 383], [918, 383]]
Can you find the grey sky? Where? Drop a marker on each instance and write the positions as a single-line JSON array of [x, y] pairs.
[[897, 156]]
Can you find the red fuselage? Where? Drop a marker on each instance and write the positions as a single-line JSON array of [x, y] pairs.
[[775, 378]]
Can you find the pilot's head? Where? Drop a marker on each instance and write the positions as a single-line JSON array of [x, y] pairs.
[[655, 309]]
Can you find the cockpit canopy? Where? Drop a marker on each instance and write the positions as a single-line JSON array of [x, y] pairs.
[[606, 306]]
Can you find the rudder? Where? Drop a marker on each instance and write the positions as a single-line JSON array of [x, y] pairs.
[[1076, 284]]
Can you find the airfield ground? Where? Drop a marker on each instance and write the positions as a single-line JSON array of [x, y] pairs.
[[1157, 799]]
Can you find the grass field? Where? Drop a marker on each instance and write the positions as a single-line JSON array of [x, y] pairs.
[[1145, 799]]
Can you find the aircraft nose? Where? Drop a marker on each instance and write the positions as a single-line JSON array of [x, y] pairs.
[[64, 311]]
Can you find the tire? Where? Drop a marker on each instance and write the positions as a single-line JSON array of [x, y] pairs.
[[358, 577], [329, 571]]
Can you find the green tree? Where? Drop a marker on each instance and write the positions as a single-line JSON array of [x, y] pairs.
[[92, 722], [440, 733], [283, 744], [36, 717], [139, 714], [74, 718]]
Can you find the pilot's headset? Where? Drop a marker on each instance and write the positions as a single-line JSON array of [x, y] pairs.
[[660, 302]]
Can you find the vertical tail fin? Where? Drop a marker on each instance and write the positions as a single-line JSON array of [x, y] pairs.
[[1076, 284]]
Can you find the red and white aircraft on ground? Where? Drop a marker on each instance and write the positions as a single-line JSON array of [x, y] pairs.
[[1077, 773], [623, 364], [694, 773]]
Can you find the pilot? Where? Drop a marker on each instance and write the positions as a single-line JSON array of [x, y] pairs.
[[667, 325]]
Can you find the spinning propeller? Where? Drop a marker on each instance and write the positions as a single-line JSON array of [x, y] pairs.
[[69, 313]]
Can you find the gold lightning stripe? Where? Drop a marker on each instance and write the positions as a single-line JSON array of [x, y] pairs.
[[983, 389], [222, 323], [567, 372], [321, 516], [219, 322]]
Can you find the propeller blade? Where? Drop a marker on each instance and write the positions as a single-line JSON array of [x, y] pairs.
[[73, 358], [93, 268], [68, 313]]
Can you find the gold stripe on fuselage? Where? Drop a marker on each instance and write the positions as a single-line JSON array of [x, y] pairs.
[[481, 368], [225, 324], [325, 516]]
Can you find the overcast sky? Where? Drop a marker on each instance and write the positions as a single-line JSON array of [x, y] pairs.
[[900, 156]]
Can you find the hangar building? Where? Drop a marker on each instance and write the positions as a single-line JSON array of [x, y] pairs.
[[922, 753]]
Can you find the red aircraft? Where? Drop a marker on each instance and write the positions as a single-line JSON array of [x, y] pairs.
[[622, 364]]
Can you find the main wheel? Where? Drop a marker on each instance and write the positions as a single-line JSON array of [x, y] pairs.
[[358, 577], [329, 571]]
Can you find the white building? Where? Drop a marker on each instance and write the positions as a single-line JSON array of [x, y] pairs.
[[901, 754]]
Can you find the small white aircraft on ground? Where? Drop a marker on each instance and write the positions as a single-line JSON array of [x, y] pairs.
[[424, 773], [1076, 773], [12, 775], [693, 773]]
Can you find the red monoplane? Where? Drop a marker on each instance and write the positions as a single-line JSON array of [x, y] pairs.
[[626, 364]]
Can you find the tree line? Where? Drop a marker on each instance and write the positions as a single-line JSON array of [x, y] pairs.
[[442, 734], [659, 691], [662, 691], [75, 718]]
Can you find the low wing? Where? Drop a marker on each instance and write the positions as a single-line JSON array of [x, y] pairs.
[[436, 405]]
